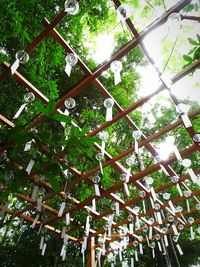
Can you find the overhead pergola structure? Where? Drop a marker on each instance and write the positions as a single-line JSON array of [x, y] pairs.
[[159, 209]]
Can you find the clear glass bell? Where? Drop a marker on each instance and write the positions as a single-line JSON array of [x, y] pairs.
[[198, 206], [70, 103], [99, 156], [140, 238], [174, 17], [136, 209], [142, 193], [116, 66], [164, 230], [137, 134], [71, 59], [157, 237], [3, 156], [174, 179], [157, 206], [166, 196], [71, 7], [179, 209], [130, 218], [124, 11], [130, 161], [152, 245], [123, 177], [145, 228], [96, 179], [187, 193], [108, 102], [170, 218], [29, 97], [135, 243], [182, 108], [103, 136], [149, 180], [186, 163], [196, 138], [190, 220], [180, 227], [22, 56]]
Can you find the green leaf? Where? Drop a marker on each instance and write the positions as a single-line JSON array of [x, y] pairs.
[[53, 180], [192, 41], [198, 37], [197, 54], [50, 107], [187, 58], [75, 131], [61, 117]]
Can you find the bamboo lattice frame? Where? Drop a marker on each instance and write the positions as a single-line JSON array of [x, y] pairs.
[[92, 77]]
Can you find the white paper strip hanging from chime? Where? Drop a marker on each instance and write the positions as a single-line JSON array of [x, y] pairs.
[[132, 262], [192, 175], [104, 137], [116, 68], [183, 109], [35, 221], [28, 146], [39, 204], [146, 110], [126, 190], [71, 60], [99, 157], [40, 229], [61, 210], [34, 192], [179, 190], [63, 231], [94, 204], [141, 248], [96, 179], [41, 242], [67, 218], [108, 104], [136, 255], [14, 66], [44, 249], [117, 208], [22, 107], [30, 166], [179, 249]]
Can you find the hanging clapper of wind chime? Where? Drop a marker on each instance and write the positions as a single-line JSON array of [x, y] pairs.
[[116, 68], [136, 136], [69, 103], [21, 58], [96, 179], [187, 163], [123, 178], [71, 60], [104, 137], [108, 104], [71, 7], [123, 12], [183, 109], [28, 98], [99, 157]]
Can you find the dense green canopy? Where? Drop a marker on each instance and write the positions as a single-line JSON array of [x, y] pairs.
[[59, 148]]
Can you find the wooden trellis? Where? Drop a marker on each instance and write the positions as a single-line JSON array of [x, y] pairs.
[[135, 179]]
